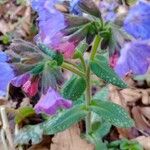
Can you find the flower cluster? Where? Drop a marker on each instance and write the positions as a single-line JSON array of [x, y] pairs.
[[51, 23], [135, 56]]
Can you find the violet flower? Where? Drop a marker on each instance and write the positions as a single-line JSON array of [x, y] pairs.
[[6, 73], [51, 21], [135, 58], [53, 26], [20, 80], [137, 22], [51, 102]]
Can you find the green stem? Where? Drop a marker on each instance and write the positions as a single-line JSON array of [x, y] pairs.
[[88, 98], [71, 68], [96, 44], [82, 62]]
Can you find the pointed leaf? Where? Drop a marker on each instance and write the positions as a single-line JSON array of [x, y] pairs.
[[101, 69], [113, 113], [64, 120], [51, 53], [74, 88]]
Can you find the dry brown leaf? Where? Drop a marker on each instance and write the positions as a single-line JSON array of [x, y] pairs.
[[139, 122], [114, 95], [4, 27], [70, 140], [130, 95], [127, 133], [144, 141], [145, 111], [145, 97]]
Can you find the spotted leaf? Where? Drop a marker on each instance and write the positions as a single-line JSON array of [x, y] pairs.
[[113, 113], [101, 69]]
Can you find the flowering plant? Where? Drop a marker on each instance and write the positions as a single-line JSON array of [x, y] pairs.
[[74, 36]]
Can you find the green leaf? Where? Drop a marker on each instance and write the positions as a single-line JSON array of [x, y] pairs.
[[64, 120], [100, 129], [23, 113], [113, 113], [51, 53], [29, 133], [99, 145], [103, 94], [74, 88], [101, 69]]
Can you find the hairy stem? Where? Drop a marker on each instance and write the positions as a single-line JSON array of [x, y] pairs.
[[83, 62], [88, 98], [71, 68], [96, 44]]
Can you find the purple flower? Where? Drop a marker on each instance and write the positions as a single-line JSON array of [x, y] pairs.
[[51, 21], [53, 26], [6, 73], [135, 58], [51, 102], [20, 80], [137, 22]]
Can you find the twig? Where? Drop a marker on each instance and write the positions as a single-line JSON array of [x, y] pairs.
[[6, 127], [5, 145]]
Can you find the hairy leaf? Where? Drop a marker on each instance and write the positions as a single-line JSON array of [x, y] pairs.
[[113, 113], [64, 120], [51, 53], [74, 88], [101, 69]]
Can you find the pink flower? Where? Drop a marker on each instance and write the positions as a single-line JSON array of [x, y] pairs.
[[113, 60], [27, 82], [51, 102], [31, 87]]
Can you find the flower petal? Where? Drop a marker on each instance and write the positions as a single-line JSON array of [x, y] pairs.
[[51, 102], [134, 58], [20, 80]]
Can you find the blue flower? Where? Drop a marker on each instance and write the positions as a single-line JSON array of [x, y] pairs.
[[51, 21], [108, 10], [135, 58], [137, 22], [6, 73]]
